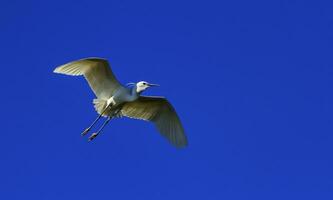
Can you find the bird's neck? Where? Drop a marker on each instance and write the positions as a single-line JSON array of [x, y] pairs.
[[135, 92]]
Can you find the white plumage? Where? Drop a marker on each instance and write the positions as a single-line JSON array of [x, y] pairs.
[[114, 100]]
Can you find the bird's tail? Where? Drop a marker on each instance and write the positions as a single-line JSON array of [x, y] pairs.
[[100, 105]]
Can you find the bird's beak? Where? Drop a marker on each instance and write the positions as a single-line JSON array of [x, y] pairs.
[[151, 84]]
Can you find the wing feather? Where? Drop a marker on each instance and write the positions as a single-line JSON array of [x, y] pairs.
[[96, 71], [161, 112]]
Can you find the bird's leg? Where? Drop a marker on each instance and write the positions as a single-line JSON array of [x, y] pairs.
[[88, 129], [94, 122], [104, 124]]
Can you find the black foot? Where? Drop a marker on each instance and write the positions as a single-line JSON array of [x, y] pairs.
[[92, 136], [85, 131]]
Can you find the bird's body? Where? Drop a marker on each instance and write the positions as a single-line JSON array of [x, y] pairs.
[[115, 100]]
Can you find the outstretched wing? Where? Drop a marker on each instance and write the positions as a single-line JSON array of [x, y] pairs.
[[96, 71], [161, 112]]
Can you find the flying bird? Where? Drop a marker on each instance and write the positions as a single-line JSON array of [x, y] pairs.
[[114, 100]]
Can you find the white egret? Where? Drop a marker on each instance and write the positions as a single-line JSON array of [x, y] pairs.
[[115, 100]]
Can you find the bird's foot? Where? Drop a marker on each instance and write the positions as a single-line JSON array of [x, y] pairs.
[[92, 136], [85, 131]]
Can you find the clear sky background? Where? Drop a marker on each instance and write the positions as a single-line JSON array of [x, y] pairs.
[[251, 81]]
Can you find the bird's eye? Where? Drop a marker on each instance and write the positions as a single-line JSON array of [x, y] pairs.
[[144, 83]]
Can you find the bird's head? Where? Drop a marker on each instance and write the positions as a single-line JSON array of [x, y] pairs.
[[143, 85]]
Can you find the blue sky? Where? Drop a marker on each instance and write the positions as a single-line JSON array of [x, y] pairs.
[[251, 81]]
